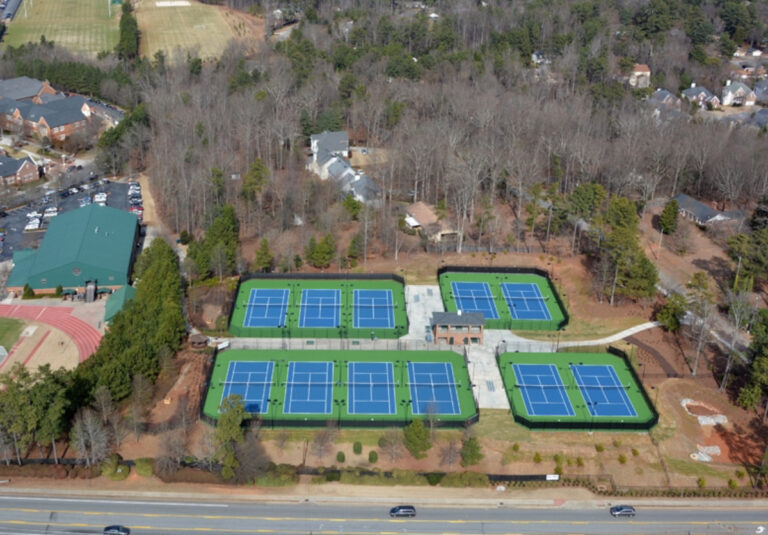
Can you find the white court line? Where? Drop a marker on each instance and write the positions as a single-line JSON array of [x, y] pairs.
[[448, 368]]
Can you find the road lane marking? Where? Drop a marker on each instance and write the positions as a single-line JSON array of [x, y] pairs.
[[119, 502]]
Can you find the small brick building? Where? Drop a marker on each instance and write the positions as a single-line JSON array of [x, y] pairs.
[[455, 328]]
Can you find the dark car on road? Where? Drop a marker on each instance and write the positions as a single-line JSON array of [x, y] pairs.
[[117, 530], [622, 510], [402, 510]]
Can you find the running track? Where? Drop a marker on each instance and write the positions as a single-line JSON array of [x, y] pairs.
[[86, 337]]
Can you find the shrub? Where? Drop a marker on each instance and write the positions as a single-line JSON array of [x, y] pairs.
[[559, 469], [622, 458], [733, 484], [59, 291], [635, 453], [110, 464], [357, 447], [334, 475], [740, 474], [144, 466], [537, 457], [121, 472], [382, 442], [27, 293], [616, 443], [434, 478], [373, 457], [464, 479], [185, 237], [558, 458], [340, 457], [701, 482], [580, 461], [515, 447], [599, 448]]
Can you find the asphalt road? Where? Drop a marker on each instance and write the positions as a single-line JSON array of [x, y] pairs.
[[25, 515]]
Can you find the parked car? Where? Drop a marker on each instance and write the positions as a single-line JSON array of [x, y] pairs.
[[622, 510], [117, 530], [34, 214], [85, 201], [3, 213], [74, 190], [402, 510]]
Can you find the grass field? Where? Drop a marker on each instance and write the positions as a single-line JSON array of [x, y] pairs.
[[198, 28], [78, 25], [10, 329], [340, 408]]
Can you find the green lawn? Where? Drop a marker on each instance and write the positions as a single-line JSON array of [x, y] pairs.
[[78, 25], [10, 329]]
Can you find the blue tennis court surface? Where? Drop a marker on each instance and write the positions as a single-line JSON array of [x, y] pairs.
[[433, 388], [320, 308], [251, 381], [374, 309], [602, 390], [474, 297], [525, 301], [371, 388], [542, 389], [308, 388], [266, 308]]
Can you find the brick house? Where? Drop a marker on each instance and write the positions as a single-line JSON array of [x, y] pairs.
[[455, 328], [24, 88], [56, 119], [15, 172]]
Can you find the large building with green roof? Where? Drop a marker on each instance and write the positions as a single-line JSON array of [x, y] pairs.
[[95, 244]]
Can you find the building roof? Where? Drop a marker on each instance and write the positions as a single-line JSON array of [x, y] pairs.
[[362, 186], [331, 141], [458, 318], [20, 87], [641, 68], [701, 211], [422, 213], [734, 87], [57, 112], [11, 166], [94, 242], [697, 92], [662, 95], [116, 302]]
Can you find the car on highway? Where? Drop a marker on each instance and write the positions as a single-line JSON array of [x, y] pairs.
[[402, 510], [117, 530], [622, 510]]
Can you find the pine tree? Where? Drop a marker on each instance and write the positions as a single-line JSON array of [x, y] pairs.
[[417, 439], [668, 218], [264, 259]]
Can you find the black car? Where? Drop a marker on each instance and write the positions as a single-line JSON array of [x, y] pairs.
[[402, 510], [117, 530], [622, 510], [64, 194], [3, 213]]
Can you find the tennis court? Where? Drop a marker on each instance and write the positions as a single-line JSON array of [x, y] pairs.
[[251, 381], [474, 297], [509, 298], [371, 388], [525, 301], [352, 388], [266, 308], [543, 391], [433, 388], [320, 308], [576, 391], [309, 387], [373, 309], [603, 392]]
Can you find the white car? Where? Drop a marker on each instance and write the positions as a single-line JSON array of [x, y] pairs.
[[33, 214], [51, 212], [100, 197]]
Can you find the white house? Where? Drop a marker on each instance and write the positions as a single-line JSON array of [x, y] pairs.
[[738, 94]]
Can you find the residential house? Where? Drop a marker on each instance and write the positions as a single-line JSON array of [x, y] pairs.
[[640, 77], [701, 96], [421, 216], [458, 328], [56, 119], [737, 94], [761, 92], [328, 161], [662, 97], [25, 88], [754, 52], [17, 171], [699, 212]]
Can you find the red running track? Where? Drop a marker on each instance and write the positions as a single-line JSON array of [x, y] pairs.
[[86, 337]]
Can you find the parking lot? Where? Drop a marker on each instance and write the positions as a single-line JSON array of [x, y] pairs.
[[14, 222]]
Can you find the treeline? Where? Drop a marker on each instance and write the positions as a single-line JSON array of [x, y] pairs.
[[38, 408]]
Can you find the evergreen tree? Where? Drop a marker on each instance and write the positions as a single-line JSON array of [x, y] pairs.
[[355, 250], [672, 312], [471, 452], [229, 433], [668, 218], [417, 439], [264, 259]]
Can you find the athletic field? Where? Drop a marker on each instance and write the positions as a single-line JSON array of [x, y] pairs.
[[319, 308], [178, 26], [356, 388], [520, 301], [78, 25], [575, 390]]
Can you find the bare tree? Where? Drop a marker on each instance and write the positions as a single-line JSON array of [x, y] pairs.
[[392, 445], [89, 437], [740, 310], [449, 453]]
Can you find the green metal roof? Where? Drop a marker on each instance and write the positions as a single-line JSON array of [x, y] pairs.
[[117, 301], [94, 243]]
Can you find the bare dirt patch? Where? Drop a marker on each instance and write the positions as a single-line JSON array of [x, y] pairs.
[[698, 409]]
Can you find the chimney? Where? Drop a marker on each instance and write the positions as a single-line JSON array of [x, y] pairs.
[[727, 83]]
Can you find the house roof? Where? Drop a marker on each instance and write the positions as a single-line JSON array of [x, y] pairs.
[[662, 95], [56, 113], [363, 187], [95, 239], [20, 87], [734, 87], [422, 213], [457, 318], [117, 301], [332, 141], [701, 211], [697, 92], [641, 68], [11, 166]]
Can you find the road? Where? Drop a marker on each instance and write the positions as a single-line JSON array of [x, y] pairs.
[[25, 515]]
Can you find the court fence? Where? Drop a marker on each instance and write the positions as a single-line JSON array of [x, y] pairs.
[[318, 332], [517, 324], [598, 425]]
